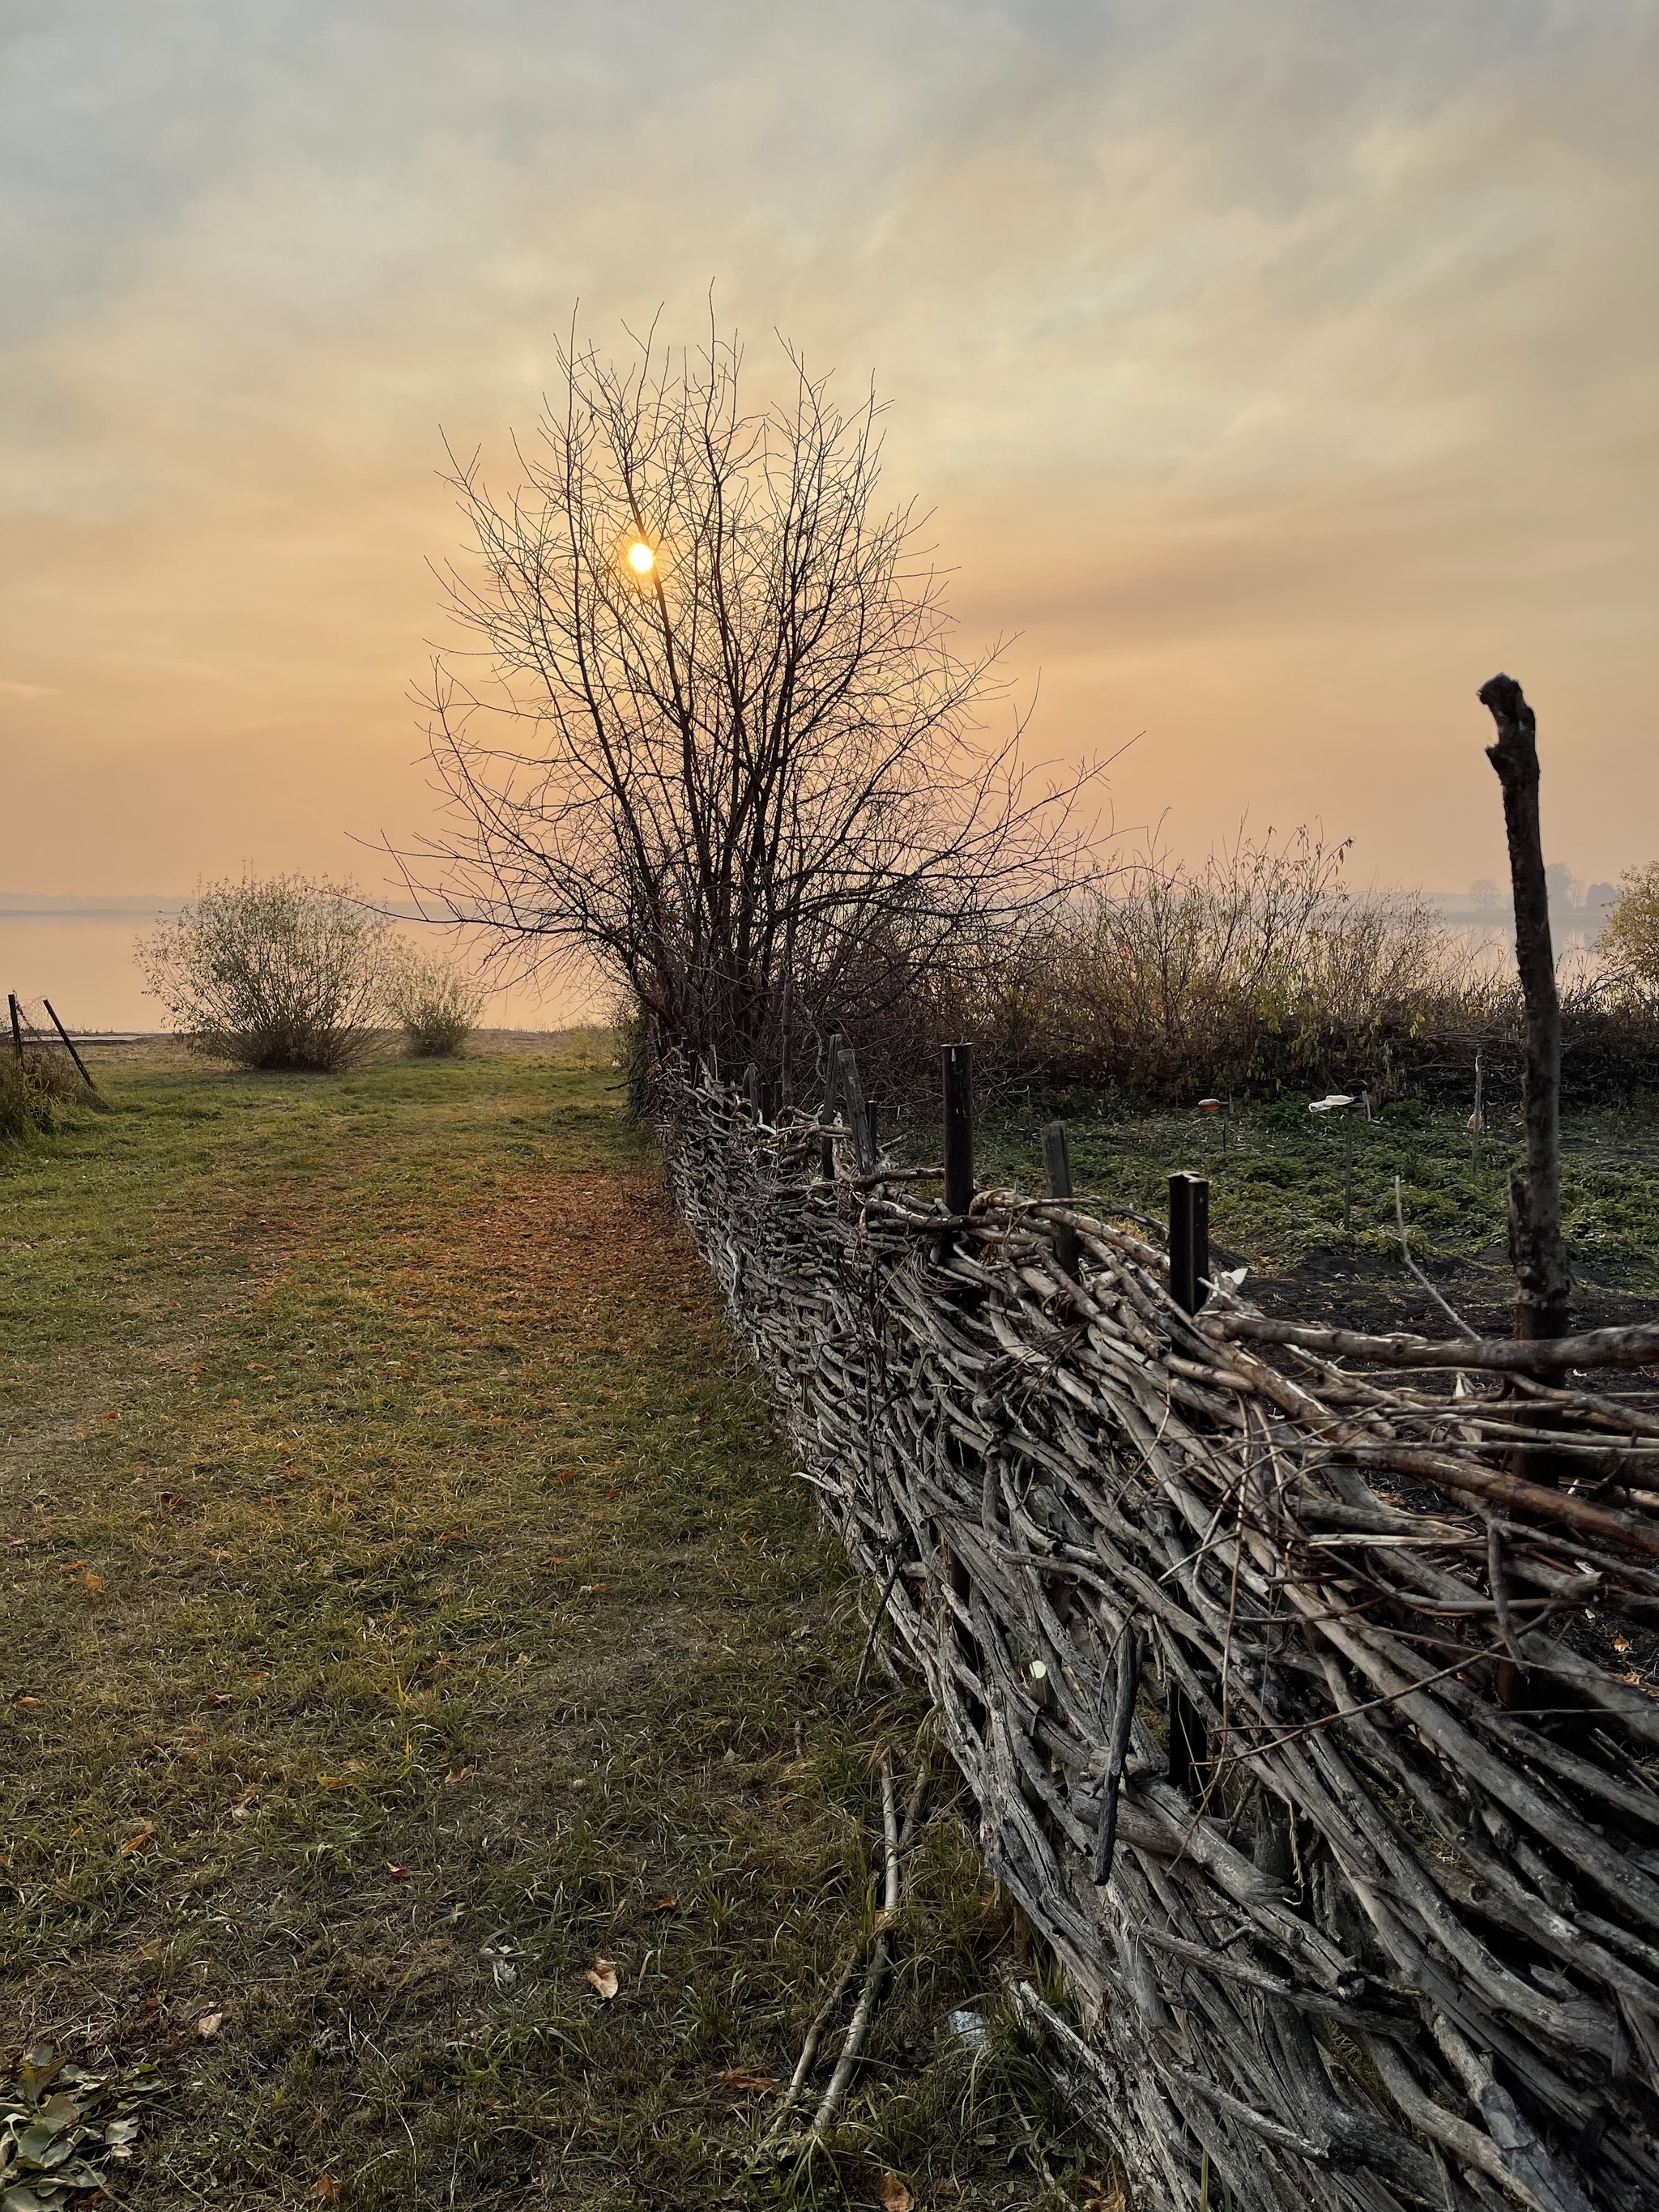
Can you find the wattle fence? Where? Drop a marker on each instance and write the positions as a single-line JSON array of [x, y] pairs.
[[1294, 1675]]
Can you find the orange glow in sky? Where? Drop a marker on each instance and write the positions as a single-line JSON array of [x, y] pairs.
[[1271, 377]]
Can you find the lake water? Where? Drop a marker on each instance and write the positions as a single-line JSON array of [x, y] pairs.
[[79, 954]]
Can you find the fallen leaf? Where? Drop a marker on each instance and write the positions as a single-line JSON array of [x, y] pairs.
[[28, 1701], [747, 2081], [138, 1840], [71, 1566], [457, 1774], [323, 2190], [894, 2196], [398, 1873], [209, 2025], [245, 1804], [112, 1415], [664, 1904], [93, 1583], [602, 1976]]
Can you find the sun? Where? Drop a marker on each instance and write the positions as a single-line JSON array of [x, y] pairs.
[[640, 559]]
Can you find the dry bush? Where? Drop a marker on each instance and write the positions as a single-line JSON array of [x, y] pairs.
[[1256, 970], [38, 1093], [274, 972], [437, 1001]]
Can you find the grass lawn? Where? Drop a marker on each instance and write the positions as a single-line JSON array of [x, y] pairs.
[[1277, 1176], [406, 1605]]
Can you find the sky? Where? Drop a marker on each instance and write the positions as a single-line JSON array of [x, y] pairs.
[[1275, 373]]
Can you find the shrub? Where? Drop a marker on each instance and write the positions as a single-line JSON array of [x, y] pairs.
[[1630, 943], [40, 1092], [278, 972], [437, 1001]]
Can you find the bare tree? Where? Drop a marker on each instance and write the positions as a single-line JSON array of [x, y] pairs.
[[707, 725]]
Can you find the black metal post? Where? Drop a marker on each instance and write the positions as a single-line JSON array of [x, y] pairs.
[[958, 1066], [1057, 1159], [1189, 1240], [767, 1108]]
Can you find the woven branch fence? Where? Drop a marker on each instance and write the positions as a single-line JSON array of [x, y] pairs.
[[1290, 1672]]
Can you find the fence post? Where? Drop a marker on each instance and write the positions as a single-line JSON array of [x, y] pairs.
[[767, 1107], [69, 1043], [1057, 1159], [832, 1094], [858, 1120], [959, 1066], [872, 1122], [1189, 1240], [16, 1027]]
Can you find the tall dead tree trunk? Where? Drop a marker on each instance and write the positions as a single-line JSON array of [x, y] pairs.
[[1544, 1286]]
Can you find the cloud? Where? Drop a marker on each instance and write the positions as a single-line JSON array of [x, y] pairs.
[[1277, 372]]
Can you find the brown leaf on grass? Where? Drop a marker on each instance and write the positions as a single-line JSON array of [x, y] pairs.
[[93, 1583], [323, 2190], [747, 2081], [663, 1905], [400, 1872], [894, 2196], [245, 1804], [71, 1566], [602, 1976], [138, 1840], [457, 1774], [209, 2025]]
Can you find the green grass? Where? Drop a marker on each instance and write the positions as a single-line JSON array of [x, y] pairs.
[[406, 1601], [1277, 1174]]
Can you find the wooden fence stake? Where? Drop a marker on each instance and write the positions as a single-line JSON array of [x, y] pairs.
[[1057, 1159], [67, 1045], [1544, 1287], [858, 1120], [1189, 1240], [16, 1027], [957, 1061]]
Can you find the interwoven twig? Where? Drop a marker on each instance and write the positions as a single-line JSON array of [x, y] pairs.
[[1380, 1926]]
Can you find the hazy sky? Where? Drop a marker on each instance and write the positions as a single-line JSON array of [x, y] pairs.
[[1277, 371]]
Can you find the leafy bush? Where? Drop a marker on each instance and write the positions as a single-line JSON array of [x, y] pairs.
[[437, 999], [274, 972], [1630, 943]]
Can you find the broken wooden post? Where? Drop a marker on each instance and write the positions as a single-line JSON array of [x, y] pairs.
[[957, 1063], [16, 1027], [1544, 1285], [1189, 1240], [1057, 1160]]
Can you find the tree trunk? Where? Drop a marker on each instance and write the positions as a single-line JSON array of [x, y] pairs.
[[1544, 1287]]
